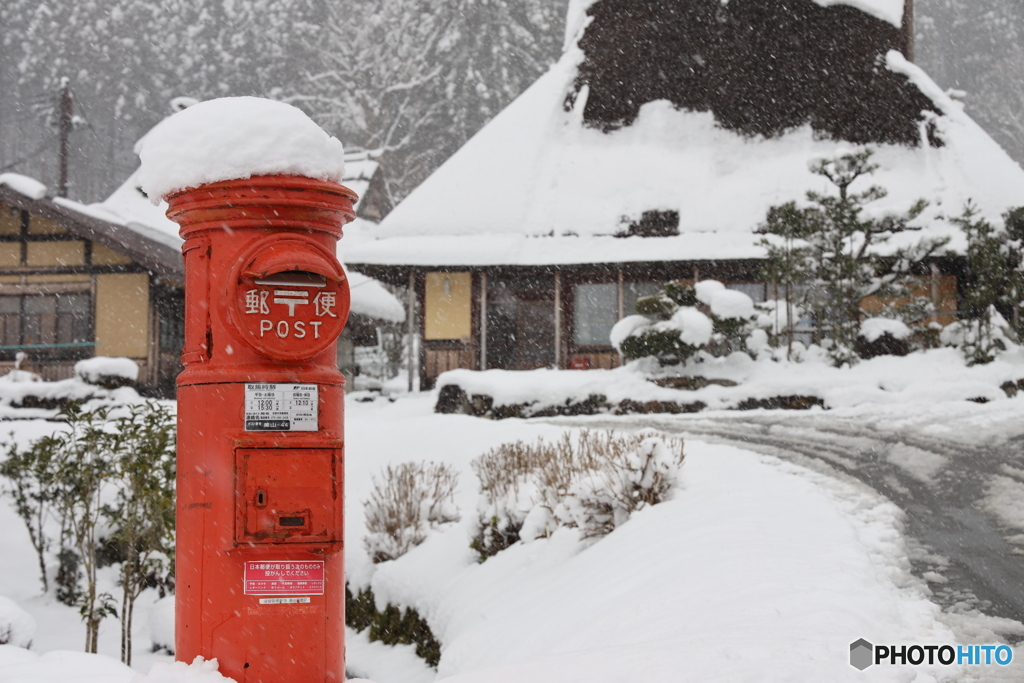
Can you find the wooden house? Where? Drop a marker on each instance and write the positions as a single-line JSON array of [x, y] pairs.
[[106, 279], [74, 283], [651, 151]]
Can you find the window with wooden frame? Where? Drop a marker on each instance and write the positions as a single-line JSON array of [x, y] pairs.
[[595, 309], [46, 324]]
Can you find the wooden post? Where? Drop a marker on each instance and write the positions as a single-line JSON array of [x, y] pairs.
[[67, 111], [558, 319], [935, 292], [621, 298], [410, 326], [483, 321]]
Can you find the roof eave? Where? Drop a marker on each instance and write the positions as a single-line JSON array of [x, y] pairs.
[[156, 257]]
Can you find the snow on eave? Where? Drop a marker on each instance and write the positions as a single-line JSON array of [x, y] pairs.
[[372, 299], [133, 208], [23, 185]]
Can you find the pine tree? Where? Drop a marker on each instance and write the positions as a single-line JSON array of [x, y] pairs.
[[1014, 248], [786, 268], [994, 283], [838, 263]]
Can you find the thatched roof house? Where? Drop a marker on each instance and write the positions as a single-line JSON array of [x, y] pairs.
[[653, 149]]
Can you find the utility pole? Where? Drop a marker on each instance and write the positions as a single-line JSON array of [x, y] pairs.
[[67, 113]]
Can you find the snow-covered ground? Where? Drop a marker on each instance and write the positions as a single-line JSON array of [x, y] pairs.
[[933, 377], [757, 570]]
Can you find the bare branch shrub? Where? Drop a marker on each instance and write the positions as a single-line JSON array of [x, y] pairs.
[[594, 481], [636, 472], [406, 502]]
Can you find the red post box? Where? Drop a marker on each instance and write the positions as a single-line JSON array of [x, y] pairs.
[[260, 574]]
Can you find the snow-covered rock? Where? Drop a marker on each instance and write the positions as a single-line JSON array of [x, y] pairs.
[[235, 137]]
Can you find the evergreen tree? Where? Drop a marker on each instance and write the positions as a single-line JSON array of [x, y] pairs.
[[838, 263], [994, 283], [786, 267], [420, 77], [1014, 248], [415, 77]]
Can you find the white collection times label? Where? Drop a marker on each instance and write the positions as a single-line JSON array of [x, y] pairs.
[[281, 407]]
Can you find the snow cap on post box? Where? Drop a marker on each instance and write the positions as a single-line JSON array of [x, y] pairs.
[[235, 138]]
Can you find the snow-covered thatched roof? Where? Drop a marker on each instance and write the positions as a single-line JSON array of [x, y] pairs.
[[546, 183]]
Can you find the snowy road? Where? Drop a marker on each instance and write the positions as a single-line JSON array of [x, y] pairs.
[[957, 473]]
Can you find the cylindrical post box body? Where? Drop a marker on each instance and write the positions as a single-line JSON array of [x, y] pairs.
[[259, 566]]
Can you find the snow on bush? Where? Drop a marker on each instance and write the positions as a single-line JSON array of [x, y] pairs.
[[627, 327], [635, 476], [232, 138], [670, 341], [694, 328], [199, 671], [706, 289], [873, 328], [728, 304], [17, 627], [681, 320], [593, 482], [980, 339], [407, 502], [107, 372]]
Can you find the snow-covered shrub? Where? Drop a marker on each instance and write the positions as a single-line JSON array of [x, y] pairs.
[[631, 478], [593, 482], [108, 469], [397, 626], [673, 325], [406, 503], [507, 490], [979, 339], [732, 313], [17, 627], [392, 625], [883, 337], [109, 373]]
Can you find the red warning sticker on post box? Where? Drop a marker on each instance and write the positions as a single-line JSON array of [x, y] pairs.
[[284, 577]]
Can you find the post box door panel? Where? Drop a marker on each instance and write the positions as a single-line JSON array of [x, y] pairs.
[[288, 495]]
